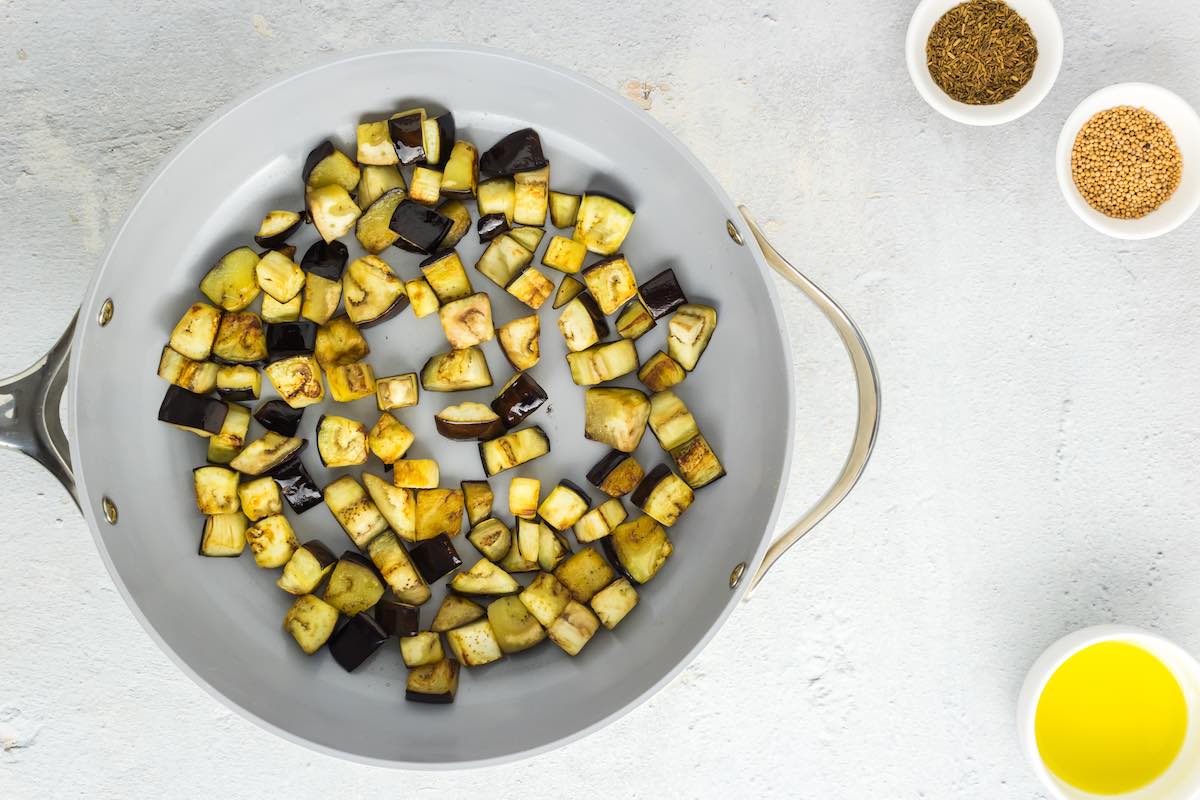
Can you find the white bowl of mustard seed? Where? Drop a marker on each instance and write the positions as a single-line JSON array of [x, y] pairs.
[[1011, 75], [1132, 188]]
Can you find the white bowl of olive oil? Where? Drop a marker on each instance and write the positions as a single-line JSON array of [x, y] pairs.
[[1046, 30], [1107, 712]]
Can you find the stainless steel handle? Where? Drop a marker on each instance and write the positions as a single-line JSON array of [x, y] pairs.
[[29, 418], [867, 425]]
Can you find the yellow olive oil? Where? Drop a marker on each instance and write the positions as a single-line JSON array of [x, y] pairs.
[[1111, 719]]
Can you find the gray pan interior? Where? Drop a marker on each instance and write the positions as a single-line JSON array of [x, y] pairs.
[[220, 619]]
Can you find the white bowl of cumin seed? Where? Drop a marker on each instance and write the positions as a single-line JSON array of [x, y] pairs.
[[1047, 32], [1184, 125]]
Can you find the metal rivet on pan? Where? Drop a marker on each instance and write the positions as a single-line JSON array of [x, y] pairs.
[[735, 577], [110, 510], [106, 312], [733, 232]]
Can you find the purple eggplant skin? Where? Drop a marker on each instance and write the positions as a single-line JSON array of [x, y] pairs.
[[519, 399], [236, 394], [297, 486], [596, 314], [316, 156], [278, 416], [398, 619], [356, 641], [280, 239], [606, 465], [469, 431], [408, 138], [181, 407], [326, 260], [445, 698], [662, 294], [360, 559], [446, 133], [320, 552], [653, 478], [420, 228], [285, 339], [577, 489], [435, 557], [395, 308], [490, 226], [520, 151], [610, 552]]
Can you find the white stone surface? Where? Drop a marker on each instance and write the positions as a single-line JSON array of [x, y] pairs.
[[1035, 473]]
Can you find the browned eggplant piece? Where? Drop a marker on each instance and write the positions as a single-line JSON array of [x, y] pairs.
[[231, 283], [688, 333], [291, 338], [339, 342], [468, 420], [421, 649], [661, 372], [602, 223], [377, 180], [519, 341], [614, 602], [396, 391], [297, 486], [565, 504], [389, 438], [421, 229], [297, 380], [545, 598], [423, 298], [697, 462], [341, 441], [350, 382], [564, 209], [226, 445], [260, 498], [616, 474], [565, 255], [276, 227], [574, 628], [519, 398], [467, 322], [585, 573], [455, 612], [484, 577], [477, 498], [326, 259], [200, 377], [354, 586], [531, 194], [531, 287], [662, 294], [503, 260], [634, 321], [640, 546], [372, 291], [194, 334], [238, 382], [568, 289], [461, 172], [616, 417], [425, 186], [278, 276], [310, 621], [307, 567], [581, 323], [398, 619], [394, 564], [407, 130], [603, 362], [460, 221], [439, 511], [513, 449], [272, 541], [433, 683], [671, 421], [663, 495], [278, 416], [192, 412], [436, 557], [456, 371], [320, 299], [611, 282], [356, 641], [523, 494], [267, 454], [372, 229], [224, 535], [490, 226], [354, 510], [416, 473], [375, 146], [240, 339], [519, 151], [445, 274], [328, 166], [492, 538], [216, 490], [439, 140], [275, 311], [332, 210], [514, 627], [496, 196]]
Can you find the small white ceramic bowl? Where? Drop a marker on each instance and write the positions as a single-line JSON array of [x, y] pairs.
[[1182, 778], [1180, 117], [1046, 29]]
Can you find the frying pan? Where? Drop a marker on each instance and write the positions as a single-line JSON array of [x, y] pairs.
[[220, 619]]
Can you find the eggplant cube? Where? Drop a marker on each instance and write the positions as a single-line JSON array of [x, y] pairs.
[[503, 260], [389, 438], [642, 547], [439, 511], [514, 562], [456, 371], [460, 222], [611, 283], [416, 473], [297, 485], [490, 226], [398, 619], [260, 498], [519, 151], [529, 539], [426, 186], [662, 294], [231, 283], [469, 420], [613, 512], [194, 334], [354, 511], [568, 289], [492, 538], [484, 578], [545, 598], [224, 535], [275, 311], [585, 573], [424, 648], [661, 372], [227, 444], [477, 497], [310, 621], [433, 683], [600, 521], [574, 628], [455, 612], [617, 474], [353, 585], [474, 644], [376, 181], [663, 496], [513, 449], [199, 377], [397, 391], [565, 255], [321, 298], [512, 624], [634, 321], [616, 417], [397, 569], [468, 321], [272, 541], [614, 601], [697, 462], [519, 340], [241, 338], [519, 398], [563, 507], [375, 144], [356, 641], [578, 324], [603, 362], [407, 132], [564, 208], [523, 495], [532, 288], [237, 382], [397, 505], [552, 547], [273, 450], [435, 557], [462, 170], [371, 291], [445, 274], [424, 299], [688, 333], [373, 229], [327, 259], [602, 223], [670, 420], [528, 236], [341, 441], [531, 196], [332, 210], [216, 490], [326, 165], [339, 342], [307, 567], [420, 229], [279, 276], [297, 380], [349, 382]]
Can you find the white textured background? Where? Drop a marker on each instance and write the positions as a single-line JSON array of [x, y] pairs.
[[1035, 472]]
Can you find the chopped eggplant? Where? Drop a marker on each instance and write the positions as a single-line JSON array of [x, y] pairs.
[[514, 562], [421, 295], [398, 619], [276, 227], [397, 569], [240, 338], [228, 442], [474, 644], [279, 276], [354, 511], [333, 211], [552, 548], [523, 496], [634, 321], [291, 338], [513, 449], [341, 441], [194, 334], [307, 567], [564, 209], [278, 416], [614, 602], [585, 573], [462, 170], [328, 166], [439, 513], [697, 462], [565, 504], [433, 683], [688, 333], [310, 621], [603, 362], [201, 415], [356, 641], [327, 259], [421, 649], [602, 224], [641, 547], [545, 598], [421, 229], [275, 311], [298, 487], [298, 380], [426, 186], [446, 276], [389, 438], [224, 535], [496, 196], [670, 420], [397, 505], [503, 260], [519, 151], [339, 342], [237, 382], [455, 612], [407, 131], [581, 323], [617, 474], [661, 372], [519, 398], [468, 321], [216, 490], [272, 541], [531, 195], [611, 283], [373, 229], [231, 284], [397, 391], [492, 538], [375, 144], [663, 496], [574, 628], [528, 540], [415, 473], [456, 371], [353, 585], [372, 292], [260, 498], [349, 382], [568, 289], [477, 497], [436, 557], [514, 627], [600, 521], [565, 255], [199, 377], [662, 294], [615, 417], [531, 287], [321, 298], [377, 181], [484, 578], [460, 221], [266, 454], [490, 226], [468, 420]]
